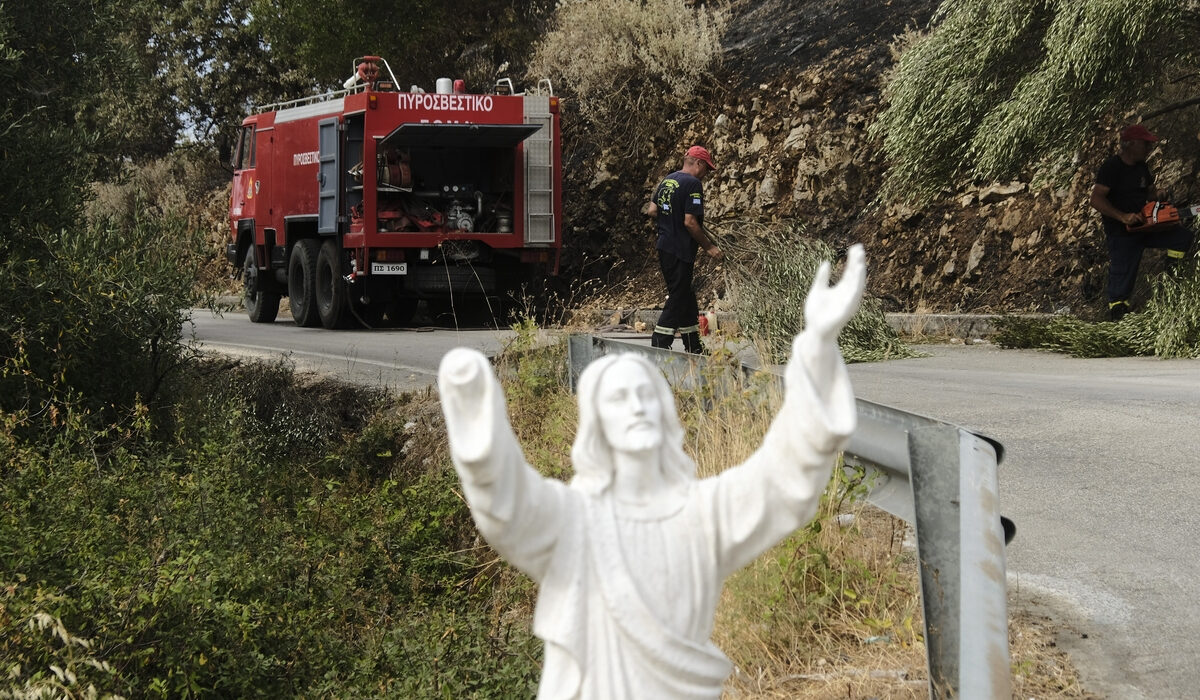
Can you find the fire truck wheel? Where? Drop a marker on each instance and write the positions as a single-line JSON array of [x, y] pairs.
[[302, 283], [333, 302], [261, 301]]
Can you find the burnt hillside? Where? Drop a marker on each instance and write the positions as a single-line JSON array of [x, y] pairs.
[[787, 120]]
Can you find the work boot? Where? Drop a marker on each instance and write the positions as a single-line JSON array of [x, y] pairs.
[[1117, 310], [692, 344]]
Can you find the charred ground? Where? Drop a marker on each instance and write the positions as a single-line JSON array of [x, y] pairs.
[[787, 119]]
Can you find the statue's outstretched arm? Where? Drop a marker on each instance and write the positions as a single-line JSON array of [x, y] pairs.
[[473, 406], [779, 488], [827, 310], [515, 508], [815, 369]]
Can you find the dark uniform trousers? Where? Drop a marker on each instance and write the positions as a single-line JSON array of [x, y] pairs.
[[681, 312], [1125, 256]]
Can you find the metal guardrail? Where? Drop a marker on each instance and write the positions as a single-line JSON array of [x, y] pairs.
[[940, 478]]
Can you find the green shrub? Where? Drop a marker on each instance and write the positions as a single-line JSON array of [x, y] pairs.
[[189, 186], [224, 546], [93, 316], [543, 411], [1174, 307], [1000, 87], [41, 657]]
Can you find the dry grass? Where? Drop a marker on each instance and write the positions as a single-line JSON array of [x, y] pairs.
[[834, 608], [654, 53], [175, 187], [834, 611], [863, 641], [1040, 669], [920, 330]]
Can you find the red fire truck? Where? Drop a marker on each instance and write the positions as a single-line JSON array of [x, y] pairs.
[[359, 203]]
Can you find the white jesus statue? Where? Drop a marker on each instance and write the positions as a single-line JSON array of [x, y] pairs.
[[631, 555]]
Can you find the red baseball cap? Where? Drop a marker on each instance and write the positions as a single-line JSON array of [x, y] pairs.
[[701, 153], [1137, 132]]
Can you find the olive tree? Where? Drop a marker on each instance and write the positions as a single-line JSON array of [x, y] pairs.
[[1000, 87]]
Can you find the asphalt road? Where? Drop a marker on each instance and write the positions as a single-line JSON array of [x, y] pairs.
[[400, 359], [1098, 475]]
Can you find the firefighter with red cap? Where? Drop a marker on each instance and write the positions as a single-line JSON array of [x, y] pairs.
[[678, 208], [1124, 184]]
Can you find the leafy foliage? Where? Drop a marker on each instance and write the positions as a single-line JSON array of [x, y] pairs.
[[325, 43], [136, 77], [90, 313], [999, 86], [264, 536], [771, 282], [213, 61], [421, 39], [34, 638], [92, 316], [1168, 327], [52, 145]]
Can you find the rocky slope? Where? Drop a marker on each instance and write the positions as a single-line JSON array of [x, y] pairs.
[[800, 85]]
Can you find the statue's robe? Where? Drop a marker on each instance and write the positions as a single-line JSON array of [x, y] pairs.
[[627, 595]]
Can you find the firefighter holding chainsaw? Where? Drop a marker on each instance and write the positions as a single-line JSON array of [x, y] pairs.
[[1124, 184]]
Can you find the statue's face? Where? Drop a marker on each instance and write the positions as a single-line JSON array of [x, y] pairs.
[[629, 408]]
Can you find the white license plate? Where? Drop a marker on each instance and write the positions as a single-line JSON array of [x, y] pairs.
[[389, 268]]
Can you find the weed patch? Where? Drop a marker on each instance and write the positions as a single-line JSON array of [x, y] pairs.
[[268, 534], [839, 593], [770, 284]]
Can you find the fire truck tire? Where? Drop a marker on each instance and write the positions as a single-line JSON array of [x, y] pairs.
[[333, 298], [261, 299], [302, 283]]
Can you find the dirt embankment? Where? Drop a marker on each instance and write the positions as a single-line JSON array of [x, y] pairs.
[[800, 85]]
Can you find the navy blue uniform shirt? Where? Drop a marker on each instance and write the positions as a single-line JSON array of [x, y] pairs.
[[677, 195]]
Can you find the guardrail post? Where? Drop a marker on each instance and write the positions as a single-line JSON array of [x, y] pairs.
[[960, 546]]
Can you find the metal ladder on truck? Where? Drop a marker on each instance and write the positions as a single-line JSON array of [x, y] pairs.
[[539, 168]]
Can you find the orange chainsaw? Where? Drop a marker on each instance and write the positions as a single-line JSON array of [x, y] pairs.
[[1159, 216]]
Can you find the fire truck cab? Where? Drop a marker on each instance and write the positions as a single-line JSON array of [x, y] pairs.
[[359, 203]]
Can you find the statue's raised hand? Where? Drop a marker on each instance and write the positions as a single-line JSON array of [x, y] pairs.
[[468, 388], [828, 309]]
